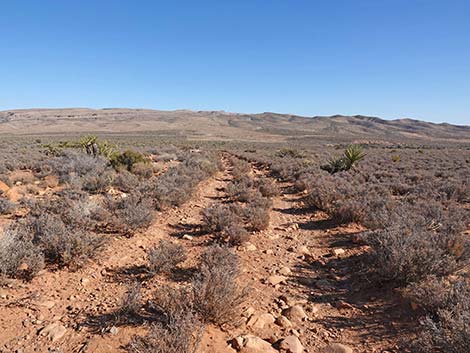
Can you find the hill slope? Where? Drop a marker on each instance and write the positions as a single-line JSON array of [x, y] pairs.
[[216, 124]]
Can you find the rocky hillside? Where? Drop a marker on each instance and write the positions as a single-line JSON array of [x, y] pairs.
[[217, 124]]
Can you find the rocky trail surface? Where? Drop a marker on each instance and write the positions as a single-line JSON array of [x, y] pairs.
[[307, 288]]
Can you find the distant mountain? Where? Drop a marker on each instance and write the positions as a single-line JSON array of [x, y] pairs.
[[223, 125]]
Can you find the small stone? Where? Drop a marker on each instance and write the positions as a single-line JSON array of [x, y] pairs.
[[187, 237], [285, 271], [338, 252], [113, 330], [338, 348], [276, 279], [250, 247], [295, 313], [85, 281], [269, 252], [53, 331], [253, 344], [283, 322], [248, 312], [304, 250], [291, 344], [48, 304], [260, 321]]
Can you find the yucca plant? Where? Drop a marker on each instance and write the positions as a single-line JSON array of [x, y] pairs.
[[352, 155], [88, 139]]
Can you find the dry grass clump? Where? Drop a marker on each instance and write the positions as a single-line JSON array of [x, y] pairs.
[[165, 257]]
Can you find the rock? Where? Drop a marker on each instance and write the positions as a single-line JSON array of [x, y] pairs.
[[338, 348], [269, 252], [250, 247], [85, 281], [283, 322], [338, 252], [48, 304], [260, 321], [53, 331], [248, 312], [113, 330], [187, 237], [291, 344], [23, 267], [295, 313], [285, 271], [304, 250], [276, 279], [341, 304], [51, 181], [253, 344]]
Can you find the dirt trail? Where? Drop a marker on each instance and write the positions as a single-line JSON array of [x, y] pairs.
[[327, 278], [319, 263]]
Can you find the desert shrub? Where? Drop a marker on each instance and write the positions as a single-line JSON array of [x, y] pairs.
[[448, 328], [127, 159], [240, 189], [218, 217], [165, 257], [6, 206], [257, 213], [129, 214], [131, 301], [289, 153], [177, 328], [61, 244], [73, 163], [235, 234], [239, 168], [267, 187], [217, 295], [143, 170], [407, 253], [98, 183], [431, 294], [19, 257], [126, 181], [177, 185]]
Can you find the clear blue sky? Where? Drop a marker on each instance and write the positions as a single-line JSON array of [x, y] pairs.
[[389, 58]]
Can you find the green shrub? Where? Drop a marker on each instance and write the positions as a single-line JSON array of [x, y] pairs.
[[127, 159]]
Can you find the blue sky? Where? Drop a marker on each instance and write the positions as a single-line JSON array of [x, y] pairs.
[[388, 58]]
